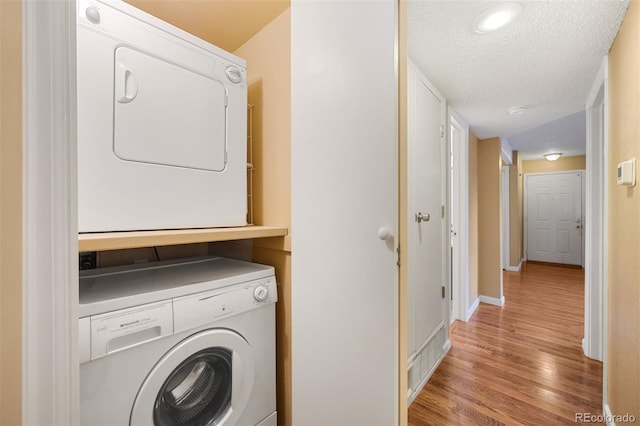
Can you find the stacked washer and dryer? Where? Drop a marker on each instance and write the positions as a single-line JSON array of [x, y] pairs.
[[162, 145]]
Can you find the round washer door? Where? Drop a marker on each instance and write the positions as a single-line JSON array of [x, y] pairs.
[[205, 379]]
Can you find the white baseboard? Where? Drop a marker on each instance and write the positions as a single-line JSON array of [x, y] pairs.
[[445, 349], [515, 268], [472, 309], [492, 300], [584, 347]]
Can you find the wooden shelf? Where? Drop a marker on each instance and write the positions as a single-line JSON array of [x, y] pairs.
[[136, 239]]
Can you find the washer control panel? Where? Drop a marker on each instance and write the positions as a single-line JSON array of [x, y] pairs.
[[104, 334], [204, 308]]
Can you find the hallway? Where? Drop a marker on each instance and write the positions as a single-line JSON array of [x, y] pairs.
[[519, 364]]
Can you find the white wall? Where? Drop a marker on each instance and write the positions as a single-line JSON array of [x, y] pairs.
[[344, 188]]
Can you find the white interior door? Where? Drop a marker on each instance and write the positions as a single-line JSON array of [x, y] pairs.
[[425, 224], [554, 217], [344, 157], [455, 137]]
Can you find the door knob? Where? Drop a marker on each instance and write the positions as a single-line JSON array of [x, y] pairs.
[[422, 217], [384, 233]]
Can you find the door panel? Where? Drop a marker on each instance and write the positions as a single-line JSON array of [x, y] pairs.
[[344, 180], [563, 244], [425, 237], [554, 218]]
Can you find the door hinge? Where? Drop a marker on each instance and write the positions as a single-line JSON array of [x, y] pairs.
[[442, 212], [443, 292], [398, 261], [441, 131]]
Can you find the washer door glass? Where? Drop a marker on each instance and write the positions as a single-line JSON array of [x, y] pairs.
[[198, 392], [205, 379]]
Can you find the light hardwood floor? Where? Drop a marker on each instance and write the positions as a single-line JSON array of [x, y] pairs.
[[519, 364]]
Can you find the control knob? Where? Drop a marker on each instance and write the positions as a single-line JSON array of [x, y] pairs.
[[261, 293], [93, 15], [233, 74]]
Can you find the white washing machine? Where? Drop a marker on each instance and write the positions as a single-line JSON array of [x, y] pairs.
[[189, 342], [162, 124]]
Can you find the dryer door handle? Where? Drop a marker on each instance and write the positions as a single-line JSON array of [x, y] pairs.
[[126, 84]]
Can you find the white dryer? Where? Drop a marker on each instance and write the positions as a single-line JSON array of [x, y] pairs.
[[162, 124], [178, 343]]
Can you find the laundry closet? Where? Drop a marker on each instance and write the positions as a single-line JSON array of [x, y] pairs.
[[341, 319], [259, 33]]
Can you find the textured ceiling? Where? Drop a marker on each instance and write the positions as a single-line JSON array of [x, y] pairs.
[[226, 23], [566, 135], [547, 60]]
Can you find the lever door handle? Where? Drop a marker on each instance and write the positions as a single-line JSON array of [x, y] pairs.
[[422, 217]]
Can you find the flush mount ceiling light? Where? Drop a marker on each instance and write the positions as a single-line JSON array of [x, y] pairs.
[[553, 156], [517, 110], [497, 17]]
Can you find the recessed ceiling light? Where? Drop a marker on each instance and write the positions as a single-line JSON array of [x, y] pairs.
[[497, 17], [517, 110], [553, 156]]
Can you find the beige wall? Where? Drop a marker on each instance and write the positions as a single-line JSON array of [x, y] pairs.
[[269, 79], [473, 218], [562, 164], [106, 259], [624, 220], [516, 186], [489, 218], [10, 212], [268, 58], [227, 24]]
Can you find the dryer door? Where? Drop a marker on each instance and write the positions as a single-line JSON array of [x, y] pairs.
[[167, 114], [205, 379]]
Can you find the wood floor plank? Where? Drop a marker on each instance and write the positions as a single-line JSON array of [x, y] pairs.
[[520, 364]]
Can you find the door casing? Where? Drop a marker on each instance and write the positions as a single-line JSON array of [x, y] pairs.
[[596, 220], [459, 196], [50, 367]]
